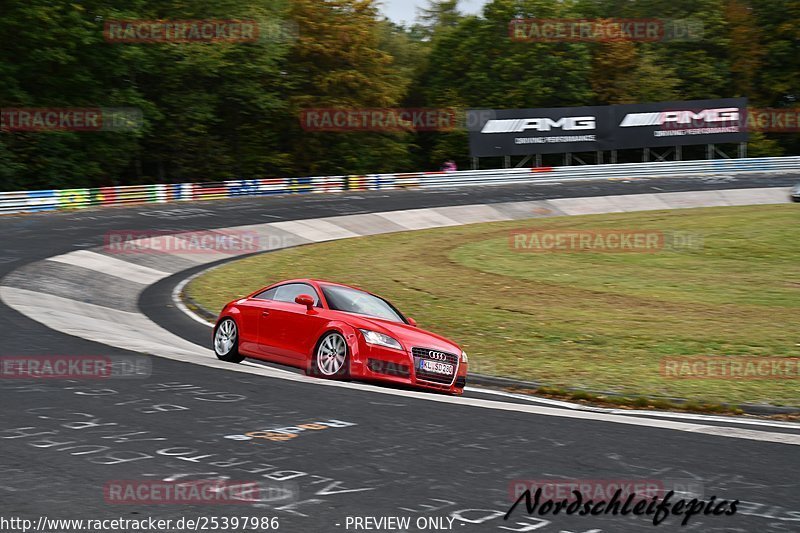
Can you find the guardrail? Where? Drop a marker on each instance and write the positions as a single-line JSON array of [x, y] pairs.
[[65, 199]]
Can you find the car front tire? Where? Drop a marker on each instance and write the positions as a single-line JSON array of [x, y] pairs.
[[331, 357], [226, 341]]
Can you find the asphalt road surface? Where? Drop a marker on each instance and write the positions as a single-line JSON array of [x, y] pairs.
[[443, 465]]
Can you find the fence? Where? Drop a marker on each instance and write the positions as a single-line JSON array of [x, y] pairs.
[[65, 199]]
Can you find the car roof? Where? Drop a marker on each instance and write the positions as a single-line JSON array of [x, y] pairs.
[[314, 281]]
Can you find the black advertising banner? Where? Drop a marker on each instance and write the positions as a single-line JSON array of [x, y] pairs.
[[680, 123], [501, 132]]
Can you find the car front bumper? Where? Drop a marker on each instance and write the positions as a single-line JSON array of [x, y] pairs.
[[399, 367]]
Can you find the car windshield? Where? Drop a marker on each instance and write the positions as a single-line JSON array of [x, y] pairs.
[[360, 302]]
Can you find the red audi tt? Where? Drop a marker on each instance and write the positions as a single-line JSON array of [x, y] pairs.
[[335, 331]]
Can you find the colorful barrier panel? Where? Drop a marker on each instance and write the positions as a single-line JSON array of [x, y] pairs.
[[47, 200], [40, 200]]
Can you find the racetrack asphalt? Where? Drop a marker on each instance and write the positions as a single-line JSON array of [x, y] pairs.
[[395, 455]]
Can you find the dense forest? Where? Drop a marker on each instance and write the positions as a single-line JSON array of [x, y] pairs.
[[231, 110]]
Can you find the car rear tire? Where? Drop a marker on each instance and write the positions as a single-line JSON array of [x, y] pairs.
[[226, 341], [331, 357]]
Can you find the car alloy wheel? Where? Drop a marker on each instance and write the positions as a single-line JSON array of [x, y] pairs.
[[226, 341], [331, 355]]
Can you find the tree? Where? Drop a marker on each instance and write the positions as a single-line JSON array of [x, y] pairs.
[[54, 56], [779, 71], [621, 74], [478, 64], [437, 17], [745, 49], [341, 61], [217, 108]]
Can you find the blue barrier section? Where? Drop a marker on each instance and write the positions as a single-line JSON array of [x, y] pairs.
[[243, 187], [41, 201]]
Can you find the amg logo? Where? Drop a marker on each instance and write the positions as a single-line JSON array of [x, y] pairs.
[[516, 125], [658, 118]]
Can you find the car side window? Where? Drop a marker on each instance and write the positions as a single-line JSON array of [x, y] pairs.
[[267, 295], [287, 293]]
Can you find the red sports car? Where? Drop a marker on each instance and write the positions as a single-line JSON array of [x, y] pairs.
[[335, 331]]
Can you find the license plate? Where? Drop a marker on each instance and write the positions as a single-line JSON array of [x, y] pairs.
[[436, 367]]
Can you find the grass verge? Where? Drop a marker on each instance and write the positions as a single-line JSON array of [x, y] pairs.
[[594, 321]]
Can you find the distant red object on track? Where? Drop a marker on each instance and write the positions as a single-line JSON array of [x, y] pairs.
[[336, 331]]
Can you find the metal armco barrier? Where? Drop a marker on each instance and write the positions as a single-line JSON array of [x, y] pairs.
[[65, 199]]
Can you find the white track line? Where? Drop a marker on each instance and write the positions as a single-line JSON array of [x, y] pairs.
[[112, 266], [662, 414], [315, 230], [178, 301]]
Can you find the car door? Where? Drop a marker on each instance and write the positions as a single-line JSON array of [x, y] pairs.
[[286, 329], [252, 310]]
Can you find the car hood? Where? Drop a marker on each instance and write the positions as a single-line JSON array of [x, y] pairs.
[[409, 336]]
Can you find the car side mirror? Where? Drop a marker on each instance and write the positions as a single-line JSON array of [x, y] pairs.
[[411, 321], [305, 299]]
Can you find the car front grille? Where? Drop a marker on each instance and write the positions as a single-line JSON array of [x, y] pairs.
[[424, 375]]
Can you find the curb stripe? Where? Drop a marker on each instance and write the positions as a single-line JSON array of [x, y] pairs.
[[112, 266]]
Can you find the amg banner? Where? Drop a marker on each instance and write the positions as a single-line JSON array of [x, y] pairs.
[[500, 132], [584, 129], [680, 123]]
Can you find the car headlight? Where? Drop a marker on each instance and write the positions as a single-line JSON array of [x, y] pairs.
[[464, 358], [379, 339]]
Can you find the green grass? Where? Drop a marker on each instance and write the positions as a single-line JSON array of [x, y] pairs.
[[599, 321]]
